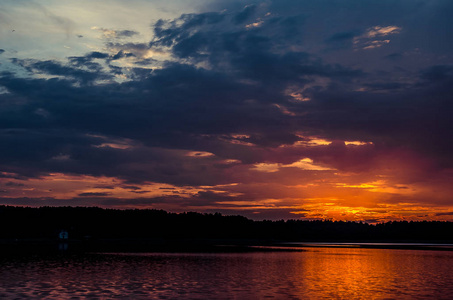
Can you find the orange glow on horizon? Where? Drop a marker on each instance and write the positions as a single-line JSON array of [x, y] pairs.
[[306, 188]]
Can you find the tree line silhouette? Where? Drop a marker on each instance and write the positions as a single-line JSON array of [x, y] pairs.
[[98, 223]]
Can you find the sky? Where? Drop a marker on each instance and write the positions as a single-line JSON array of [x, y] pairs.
[[271, 109]]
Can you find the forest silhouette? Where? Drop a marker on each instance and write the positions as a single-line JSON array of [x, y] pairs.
[[98, 223]]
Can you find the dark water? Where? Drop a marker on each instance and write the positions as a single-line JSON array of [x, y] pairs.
[[317, 273]]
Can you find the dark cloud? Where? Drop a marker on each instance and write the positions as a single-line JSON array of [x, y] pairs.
[[121, 54], [95, 201], [139, 50], [340, 41], [94, 194], [341, 37], [54, 68], [394, 56], [46, 201], [131, 187], [438, 73], [264, 214], [229, 89], [14, 184], [126, 33], [140, 192], [245, 14], [108, 187], [384, 86], [97, 55], [116, 34], [445, 214]]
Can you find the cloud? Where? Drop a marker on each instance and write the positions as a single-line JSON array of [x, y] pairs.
[[55, 68], [394, 56], [375, 37], [192, 106], [341, 36], [245, 14], [236, 113], [94, 194], [304, 164], [379, 31], [141, 50], [115, 34], [445, 214], [14, 184], [437, 73]]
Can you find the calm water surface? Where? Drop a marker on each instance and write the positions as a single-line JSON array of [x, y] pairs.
[[317, 273]]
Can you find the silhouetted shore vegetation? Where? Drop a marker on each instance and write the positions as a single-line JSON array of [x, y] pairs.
[[91, 223]]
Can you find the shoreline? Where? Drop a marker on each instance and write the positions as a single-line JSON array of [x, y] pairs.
[[53, 246]]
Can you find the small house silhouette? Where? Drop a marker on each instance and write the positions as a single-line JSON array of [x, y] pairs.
[[63, 235]]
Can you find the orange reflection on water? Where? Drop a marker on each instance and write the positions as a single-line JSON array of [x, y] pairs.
[[316, 273], [354, 273]]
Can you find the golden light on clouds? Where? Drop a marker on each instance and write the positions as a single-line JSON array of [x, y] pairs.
[[255, 109], [63, 186], [113, 145], [296, 93], [265, 167], [284, 110], [200, 154], [312, 198], [255, 24], [303, 164], [382, 31], [307, 164], [375, 37], [357, 143]]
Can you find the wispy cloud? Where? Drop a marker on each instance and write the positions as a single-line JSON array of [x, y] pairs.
[[375, 37]]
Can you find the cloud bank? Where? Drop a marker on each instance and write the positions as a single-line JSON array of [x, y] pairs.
[[272, 110]]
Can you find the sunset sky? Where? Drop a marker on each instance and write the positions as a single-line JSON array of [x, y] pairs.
[[271, 109]]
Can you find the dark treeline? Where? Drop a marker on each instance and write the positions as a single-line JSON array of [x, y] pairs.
[[98, 223]]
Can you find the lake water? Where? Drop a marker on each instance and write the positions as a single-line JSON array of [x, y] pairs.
[[317, 273]]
